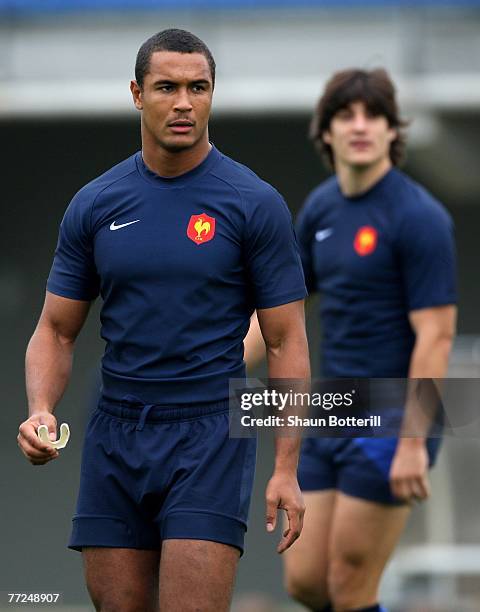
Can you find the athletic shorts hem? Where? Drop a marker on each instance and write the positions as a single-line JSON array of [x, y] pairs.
[[363, 487], [106, 531], [319, 480], [351, 483], [198, 525], [80, 547]]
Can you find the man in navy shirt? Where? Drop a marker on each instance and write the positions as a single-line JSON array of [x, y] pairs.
[[183, 244], [379, 249]]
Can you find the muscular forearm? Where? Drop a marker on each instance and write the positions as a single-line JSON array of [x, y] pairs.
[[430, 357], [289, 359], [286, 453], [283, 329], [429, 360], [48, 365]]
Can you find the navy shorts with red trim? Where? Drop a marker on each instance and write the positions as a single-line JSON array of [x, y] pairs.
[[151, 473]]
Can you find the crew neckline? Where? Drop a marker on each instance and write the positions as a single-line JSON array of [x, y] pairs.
[[378, 186], [164, 182]]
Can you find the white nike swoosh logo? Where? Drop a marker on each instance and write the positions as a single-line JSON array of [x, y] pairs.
[[114, 227], [323, 234]]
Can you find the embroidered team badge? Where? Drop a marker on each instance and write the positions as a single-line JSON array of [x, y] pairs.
[[365, 240], [201, 228]]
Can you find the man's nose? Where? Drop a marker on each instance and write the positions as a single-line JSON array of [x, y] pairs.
[[359, 122], [182, 101]]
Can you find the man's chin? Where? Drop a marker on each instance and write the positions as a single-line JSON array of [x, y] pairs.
[[362, 162], [176, 145]]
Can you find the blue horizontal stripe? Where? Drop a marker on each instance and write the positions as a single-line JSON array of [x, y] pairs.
[[44, 6]]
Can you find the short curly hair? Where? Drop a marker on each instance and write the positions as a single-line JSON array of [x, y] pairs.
[[376, 90], [179, 41]]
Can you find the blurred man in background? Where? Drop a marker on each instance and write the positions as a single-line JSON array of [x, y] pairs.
[[183, 244], [380, 251]]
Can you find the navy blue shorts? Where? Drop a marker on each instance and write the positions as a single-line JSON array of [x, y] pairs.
[[356, 466], [151, 473]]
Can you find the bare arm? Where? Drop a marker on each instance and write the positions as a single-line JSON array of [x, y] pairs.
[[254, 344], [48, 365], [434, 333], [434, 330], [255, 349], [283, 329]]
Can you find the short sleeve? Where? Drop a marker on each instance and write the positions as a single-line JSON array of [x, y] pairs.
[[304, 235], [73, 273], [272, 256], [428, 259]]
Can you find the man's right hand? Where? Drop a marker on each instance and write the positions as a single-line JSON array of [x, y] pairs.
[[30, 444]]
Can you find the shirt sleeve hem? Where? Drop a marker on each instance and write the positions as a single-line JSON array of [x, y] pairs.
[[280, 300], [447, 301], [71, 294]]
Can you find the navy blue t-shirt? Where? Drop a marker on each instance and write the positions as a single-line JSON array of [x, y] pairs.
[[374, 258], [180, 263]]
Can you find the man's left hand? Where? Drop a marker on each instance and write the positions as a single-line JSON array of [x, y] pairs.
[[284, 493]]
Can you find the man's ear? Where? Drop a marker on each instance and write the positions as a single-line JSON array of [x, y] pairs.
[[392, 134], [327, 137], [136, 94]]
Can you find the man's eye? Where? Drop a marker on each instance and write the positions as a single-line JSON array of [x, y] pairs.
[[166, 88], [198, 88]]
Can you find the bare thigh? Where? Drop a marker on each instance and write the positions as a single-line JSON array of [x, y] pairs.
[[306, 562], [197, 576], [122, 579], [363, 537]]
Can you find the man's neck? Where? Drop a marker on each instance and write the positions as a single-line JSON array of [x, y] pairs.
[[174, 163], [354, 181]]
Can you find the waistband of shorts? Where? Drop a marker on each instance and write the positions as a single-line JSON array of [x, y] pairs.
[[131, 409]]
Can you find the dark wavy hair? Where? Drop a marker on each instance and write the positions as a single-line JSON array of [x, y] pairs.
[[375, 89], [179, 41]]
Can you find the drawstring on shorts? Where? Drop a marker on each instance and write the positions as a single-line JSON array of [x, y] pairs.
[[143, 416]]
